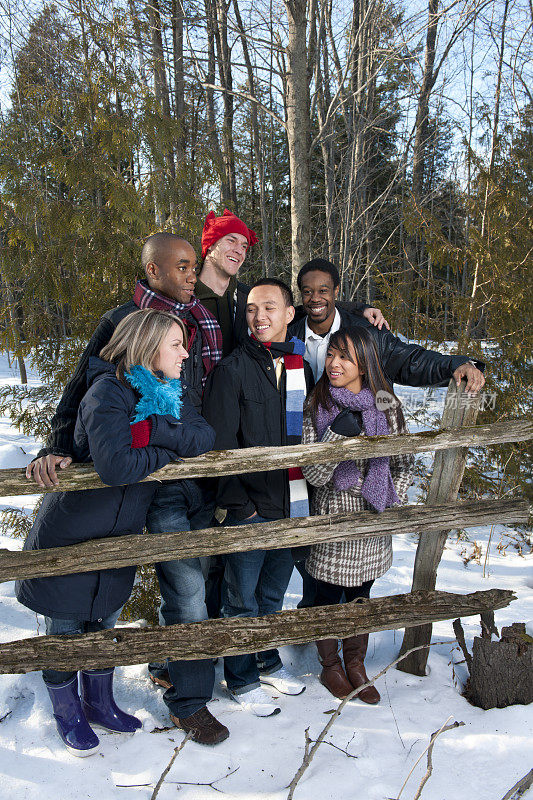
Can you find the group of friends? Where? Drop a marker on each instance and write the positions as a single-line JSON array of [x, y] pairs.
[[195, 361]]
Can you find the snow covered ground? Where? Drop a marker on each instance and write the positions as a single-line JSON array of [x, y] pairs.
[[369, 751]]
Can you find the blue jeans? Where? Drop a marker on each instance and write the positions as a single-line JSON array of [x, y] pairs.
[[254, 586], [70, 627], [183, 506]]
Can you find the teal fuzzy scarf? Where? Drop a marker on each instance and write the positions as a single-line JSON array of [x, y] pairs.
[[156, 397]]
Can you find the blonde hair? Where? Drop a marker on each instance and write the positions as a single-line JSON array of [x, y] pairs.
[[137, 339]]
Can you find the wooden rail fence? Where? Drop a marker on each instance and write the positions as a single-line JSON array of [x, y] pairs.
[[222, 637], [13, 482], [415, 611]]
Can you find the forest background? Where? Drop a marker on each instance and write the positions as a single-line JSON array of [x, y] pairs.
[[394, 138]]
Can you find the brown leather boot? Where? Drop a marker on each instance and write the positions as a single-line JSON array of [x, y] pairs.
[[205, 728], [161, 680], [354, 652], [333, 676]]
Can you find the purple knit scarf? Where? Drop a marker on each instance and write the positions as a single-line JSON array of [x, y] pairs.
[[377, 488]]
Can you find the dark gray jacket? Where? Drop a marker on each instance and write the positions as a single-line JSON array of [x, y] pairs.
[[103, 435]]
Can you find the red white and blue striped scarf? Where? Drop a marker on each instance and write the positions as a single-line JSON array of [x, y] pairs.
[[295, 390], [144, 297]]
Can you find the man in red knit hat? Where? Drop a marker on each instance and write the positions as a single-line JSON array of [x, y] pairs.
[[225, 242]]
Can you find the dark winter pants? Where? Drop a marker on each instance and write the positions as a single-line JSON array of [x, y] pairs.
[[254, 586], [70, 627], [329, 594], [183, 506]]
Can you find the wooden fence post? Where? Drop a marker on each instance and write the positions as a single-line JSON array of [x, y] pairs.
[[459, 410]]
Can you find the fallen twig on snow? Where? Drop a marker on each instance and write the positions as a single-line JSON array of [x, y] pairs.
[[207, 783], [520, 788], [309, 752], [336, 746], [429, 750], [169, 766], [393, 714], [131, 785]]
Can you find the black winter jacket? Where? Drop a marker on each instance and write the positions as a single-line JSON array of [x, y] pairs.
[[246, 409], [408, 364], [103, 435], [61, 439]]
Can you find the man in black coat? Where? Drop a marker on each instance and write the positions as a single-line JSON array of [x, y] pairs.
[[408, 364], [170, 266], [246, 401]]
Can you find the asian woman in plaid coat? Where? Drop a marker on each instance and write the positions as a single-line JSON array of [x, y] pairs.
[[343, 404]]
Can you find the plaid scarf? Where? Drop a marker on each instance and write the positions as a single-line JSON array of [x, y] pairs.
[[144, 297], [295, 391]]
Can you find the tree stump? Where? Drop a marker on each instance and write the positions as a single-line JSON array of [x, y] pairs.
[[501, 672]]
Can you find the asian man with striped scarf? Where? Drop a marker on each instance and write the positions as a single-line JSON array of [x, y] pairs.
[[255, 397]]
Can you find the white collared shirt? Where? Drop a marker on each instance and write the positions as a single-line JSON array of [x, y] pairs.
[[316, 346]]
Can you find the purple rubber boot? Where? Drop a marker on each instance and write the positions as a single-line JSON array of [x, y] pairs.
[[99, 705], [76, 733]]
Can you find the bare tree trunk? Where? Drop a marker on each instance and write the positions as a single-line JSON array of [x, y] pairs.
[[226, 81], [179, 82], [214, 142], [139, 42], [15, 333], [485, 234], [327, 139], [462, 287], [256, 141], [162, 96], [298, 133], [422, 112], [414, 245]]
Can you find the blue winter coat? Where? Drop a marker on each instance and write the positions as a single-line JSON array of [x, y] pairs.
[[103, 435]]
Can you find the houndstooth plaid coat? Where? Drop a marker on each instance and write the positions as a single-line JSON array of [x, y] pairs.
[[349, 563]]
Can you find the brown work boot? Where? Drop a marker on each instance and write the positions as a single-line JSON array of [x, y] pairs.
[[162, 680], [205, 728], [333, 676], [354, 652]]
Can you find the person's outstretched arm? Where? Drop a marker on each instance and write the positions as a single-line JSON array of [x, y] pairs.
[[413, 365]]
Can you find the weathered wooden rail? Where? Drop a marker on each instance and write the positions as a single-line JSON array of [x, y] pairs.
[[220, 637], [415, 611], [13, 482], [123, 551]]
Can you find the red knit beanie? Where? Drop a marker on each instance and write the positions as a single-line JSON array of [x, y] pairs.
[[217, 227]]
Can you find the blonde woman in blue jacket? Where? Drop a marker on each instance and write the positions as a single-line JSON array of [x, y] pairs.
[[133, 420]]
